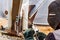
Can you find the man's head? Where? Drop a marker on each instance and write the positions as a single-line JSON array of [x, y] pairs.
[[58, 1]]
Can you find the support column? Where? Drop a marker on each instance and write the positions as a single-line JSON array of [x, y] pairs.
[[9, 14], [25, 16], [16, 7]]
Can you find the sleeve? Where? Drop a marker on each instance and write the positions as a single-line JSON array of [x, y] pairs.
[[50, 36]]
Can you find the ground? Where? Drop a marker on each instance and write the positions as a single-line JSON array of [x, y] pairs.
[[44, 29]]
